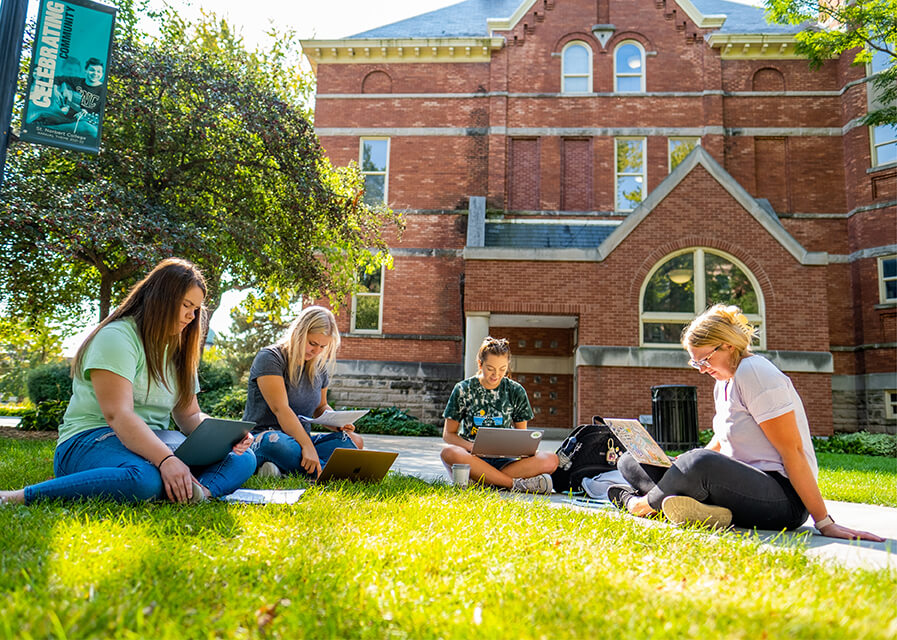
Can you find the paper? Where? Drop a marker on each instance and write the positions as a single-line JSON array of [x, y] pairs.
[[337, 419], [265, 496], [638, 442]]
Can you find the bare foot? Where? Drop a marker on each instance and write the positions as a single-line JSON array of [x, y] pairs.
[[12, 497], [638, 506]]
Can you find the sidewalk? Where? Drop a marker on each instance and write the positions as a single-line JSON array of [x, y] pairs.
[[420, 457]]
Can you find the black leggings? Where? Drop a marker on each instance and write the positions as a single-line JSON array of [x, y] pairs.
[[761, 499]]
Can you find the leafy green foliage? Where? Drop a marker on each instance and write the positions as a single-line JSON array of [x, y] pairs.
[[256, 323], [394, 422], [23, 346], [15, 410], [229, 404], [831, 28], [209, 154], [215, 380], [46, 417], [50, 382], [861, 442]]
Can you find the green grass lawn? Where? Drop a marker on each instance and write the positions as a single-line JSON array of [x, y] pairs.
[[404, 559]]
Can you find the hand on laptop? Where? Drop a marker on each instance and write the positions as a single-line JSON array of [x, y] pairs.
[[310, 461], [243, 445]]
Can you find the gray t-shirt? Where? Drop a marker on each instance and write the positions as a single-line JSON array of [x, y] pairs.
[[303, 398]]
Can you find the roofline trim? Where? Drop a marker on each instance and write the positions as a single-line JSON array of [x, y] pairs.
[[699, 156]]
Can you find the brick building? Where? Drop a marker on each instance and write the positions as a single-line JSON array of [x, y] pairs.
[[583, 177]]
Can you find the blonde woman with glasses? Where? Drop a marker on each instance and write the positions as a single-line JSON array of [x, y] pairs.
[[759, 469], [287, 386]]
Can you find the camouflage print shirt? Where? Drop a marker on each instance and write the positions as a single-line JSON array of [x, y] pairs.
[[474, 406]]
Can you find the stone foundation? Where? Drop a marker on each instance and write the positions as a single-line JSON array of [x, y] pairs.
[[858, 403], [419, 388]]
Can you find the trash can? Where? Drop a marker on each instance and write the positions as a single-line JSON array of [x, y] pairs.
[[674, 413]]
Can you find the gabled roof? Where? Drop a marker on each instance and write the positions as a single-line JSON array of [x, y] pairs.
[[765, 216], [469, 19]]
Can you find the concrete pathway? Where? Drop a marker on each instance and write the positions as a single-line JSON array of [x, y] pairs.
[[420, 457]]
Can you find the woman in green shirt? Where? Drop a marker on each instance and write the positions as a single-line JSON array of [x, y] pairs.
[[132, 374]]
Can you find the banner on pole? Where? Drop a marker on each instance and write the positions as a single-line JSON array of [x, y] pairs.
[[66, 92]]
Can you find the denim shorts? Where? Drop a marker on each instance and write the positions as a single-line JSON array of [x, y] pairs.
[[499, 463]]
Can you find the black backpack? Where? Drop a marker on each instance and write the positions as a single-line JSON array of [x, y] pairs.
[[589, 450]]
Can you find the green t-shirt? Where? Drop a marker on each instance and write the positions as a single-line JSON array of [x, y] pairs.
[[117, 348], [474, 406]]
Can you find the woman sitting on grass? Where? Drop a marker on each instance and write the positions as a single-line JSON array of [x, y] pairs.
[[287, 382], [491, 399], [133, 373], [759, 470]]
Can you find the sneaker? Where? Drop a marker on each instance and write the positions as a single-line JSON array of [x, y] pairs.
[[619, 495], [540, 484], [198, 494], [685, 510], [268, 470]]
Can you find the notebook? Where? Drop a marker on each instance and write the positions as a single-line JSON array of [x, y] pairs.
[[506, 443], [355, 464], [638, 442], [211, 441]]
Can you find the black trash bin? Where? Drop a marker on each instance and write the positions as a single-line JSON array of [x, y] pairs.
[[674, 412]]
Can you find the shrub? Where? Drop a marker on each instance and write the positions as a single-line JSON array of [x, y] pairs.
[[215, 382], [15, 409], [47, 416], [861, 442], [394, 422], [50, 382], [229, 405]]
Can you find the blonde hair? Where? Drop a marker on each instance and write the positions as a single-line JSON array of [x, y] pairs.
[[720, 324], [494, 347], [155, 305], [310, 320]]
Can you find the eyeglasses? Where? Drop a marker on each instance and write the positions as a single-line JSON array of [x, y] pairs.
[[705, 362]]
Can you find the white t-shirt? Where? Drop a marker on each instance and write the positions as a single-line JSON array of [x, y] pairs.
[[757, 392]]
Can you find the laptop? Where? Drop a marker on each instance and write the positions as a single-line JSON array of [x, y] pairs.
[[357, 464], [496, 442], [638, 442], [211, 441]]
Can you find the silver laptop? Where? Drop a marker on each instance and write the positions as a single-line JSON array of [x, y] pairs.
[[355, 464], [506, 443]]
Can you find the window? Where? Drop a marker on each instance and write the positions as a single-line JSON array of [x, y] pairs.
[[883, 137], [375, 169], [891, 404], [576, 68], [887, 279], [367, 303], [680, 148], [685, 283], [629, 68], [630, 173]]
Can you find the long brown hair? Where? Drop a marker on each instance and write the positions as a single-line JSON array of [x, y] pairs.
[[310, 320], [154, 303]]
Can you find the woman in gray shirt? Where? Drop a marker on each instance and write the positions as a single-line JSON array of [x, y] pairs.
[[288, 382]]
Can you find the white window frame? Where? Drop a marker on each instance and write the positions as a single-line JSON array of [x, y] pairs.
[[617, 175], [379, 295], [641, 75], [890, 402], [882, 290], [757, 319], [384, 173], [874, 142], [670, 140], [565, 75]]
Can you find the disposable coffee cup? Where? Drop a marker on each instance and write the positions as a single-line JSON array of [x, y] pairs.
[[461, 475]]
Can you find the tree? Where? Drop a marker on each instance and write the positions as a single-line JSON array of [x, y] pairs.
[[23, 347], [832, 27], [209, 154]]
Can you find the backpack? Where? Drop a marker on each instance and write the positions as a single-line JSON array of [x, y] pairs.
[[589, 450]]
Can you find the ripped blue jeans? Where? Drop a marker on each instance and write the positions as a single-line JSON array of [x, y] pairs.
[[286, 453], [96, 463]]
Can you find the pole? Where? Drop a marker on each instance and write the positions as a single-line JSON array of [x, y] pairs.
[[12, 32]]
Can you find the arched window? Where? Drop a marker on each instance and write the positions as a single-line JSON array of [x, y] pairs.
[[684, 283], [629, 68], [576, 68]]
